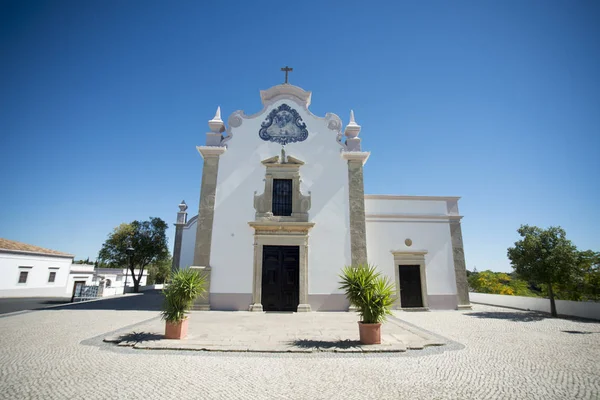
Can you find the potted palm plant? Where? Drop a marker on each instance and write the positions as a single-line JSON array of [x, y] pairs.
[[184, 287], [372, 294]]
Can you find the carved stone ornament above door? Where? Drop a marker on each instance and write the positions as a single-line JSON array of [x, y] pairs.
[[283, 125]]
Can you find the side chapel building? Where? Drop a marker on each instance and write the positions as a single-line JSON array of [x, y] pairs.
[[282, 209]]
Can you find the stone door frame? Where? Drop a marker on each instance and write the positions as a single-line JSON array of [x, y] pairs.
[[410, 258], [280, 234]]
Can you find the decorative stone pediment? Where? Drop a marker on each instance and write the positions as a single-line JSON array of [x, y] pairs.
[[286, 168]]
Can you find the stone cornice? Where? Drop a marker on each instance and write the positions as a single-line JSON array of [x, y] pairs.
[[415, 216], [211, 151], [402, 197], [275, 227], [356, 156]]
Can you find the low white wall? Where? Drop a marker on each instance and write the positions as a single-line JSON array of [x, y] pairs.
[[151, 287], [112, 291], [583, 309]]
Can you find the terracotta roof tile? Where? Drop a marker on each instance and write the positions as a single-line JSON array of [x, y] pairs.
[[12, 245]]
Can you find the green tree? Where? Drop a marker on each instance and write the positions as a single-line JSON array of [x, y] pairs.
[[545, 256], [149, 241], [159, 271], [584, 284]]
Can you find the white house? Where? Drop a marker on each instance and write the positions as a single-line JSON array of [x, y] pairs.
[[116, 279], [32, 271], [282, 209]]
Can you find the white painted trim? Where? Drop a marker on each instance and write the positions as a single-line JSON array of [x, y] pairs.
[[272, 94], [402, 197]]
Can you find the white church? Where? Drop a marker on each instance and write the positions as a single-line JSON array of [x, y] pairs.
[[282, 209]]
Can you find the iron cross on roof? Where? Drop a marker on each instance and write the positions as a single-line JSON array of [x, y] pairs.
[[286, 69]]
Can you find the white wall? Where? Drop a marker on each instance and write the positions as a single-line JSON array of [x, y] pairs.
[[405, 206], [118, 276], [79, 272], [37, 284], [241, 174], [433, 236], [563, 307]]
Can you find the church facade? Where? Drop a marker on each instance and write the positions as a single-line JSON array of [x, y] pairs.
[[282, 209]]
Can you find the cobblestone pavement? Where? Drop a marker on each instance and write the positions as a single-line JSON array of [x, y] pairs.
[[492, 353]]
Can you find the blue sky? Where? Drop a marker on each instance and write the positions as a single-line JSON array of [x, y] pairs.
[[103, 102]]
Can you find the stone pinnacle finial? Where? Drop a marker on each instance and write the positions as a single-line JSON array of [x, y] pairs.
[[182, 206], [216, 124], [352, 129]]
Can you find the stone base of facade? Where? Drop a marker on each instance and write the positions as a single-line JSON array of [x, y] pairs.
[[464, 307], [411, 309], [316, 302], [304, 308]]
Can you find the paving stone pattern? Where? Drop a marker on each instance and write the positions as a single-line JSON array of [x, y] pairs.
[[276, 333], [503, 354]]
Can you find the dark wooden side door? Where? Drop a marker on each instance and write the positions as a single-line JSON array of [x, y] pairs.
[[280, 278], [77, 286], [410, 286]]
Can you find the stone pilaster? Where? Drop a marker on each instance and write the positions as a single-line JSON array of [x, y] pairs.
[[181, 221], [356, 199], [460, 269], [303, 305], [206, 212]]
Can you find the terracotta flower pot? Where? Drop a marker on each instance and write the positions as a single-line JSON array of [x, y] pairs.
[[176, 330], [369, 333]]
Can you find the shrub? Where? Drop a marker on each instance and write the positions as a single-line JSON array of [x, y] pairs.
[[185, 287], [371, 293]]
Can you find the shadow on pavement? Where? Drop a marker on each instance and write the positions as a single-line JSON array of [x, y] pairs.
[[140, 337], [16, 304], [325, 344], [526, 316], [147, 301], [511, 316]]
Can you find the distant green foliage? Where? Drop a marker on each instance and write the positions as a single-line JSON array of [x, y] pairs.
[[86, 262], [159, 271], [371, 293], [184, 287], [498, 283]]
